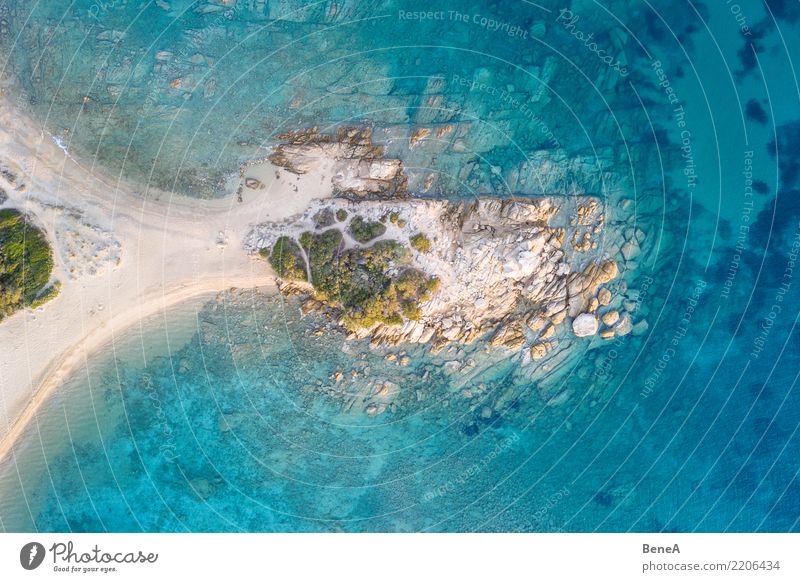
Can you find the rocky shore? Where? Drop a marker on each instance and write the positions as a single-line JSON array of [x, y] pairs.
[[522, 274]]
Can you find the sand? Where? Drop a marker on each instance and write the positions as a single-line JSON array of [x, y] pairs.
[[120, 256]]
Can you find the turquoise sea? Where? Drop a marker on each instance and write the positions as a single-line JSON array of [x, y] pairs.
[[223, 416]]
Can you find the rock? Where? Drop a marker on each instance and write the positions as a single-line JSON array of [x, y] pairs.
[[452, 366], [611, 317], [405, 361], [539, 350], [486, 412], [548, 332], [630, 250], [536, 323], [585, 325], [374, 409], [509, 336], [538, 29], [607, 334], [641, 327], [604, 297], [624, 326], [418, 135], [593, 304], [202, 487], [609, 271]]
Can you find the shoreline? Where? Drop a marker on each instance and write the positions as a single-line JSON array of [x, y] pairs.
[[119, 257], [77, 355]]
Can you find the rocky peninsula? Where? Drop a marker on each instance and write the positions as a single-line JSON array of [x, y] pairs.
[[519, 273]]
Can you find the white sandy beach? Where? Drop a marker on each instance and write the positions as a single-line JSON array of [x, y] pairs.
[[120, 257]]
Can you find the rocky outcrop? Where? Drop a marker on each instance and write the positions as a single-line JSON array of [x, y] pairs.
[[359, 170], [508, 269]]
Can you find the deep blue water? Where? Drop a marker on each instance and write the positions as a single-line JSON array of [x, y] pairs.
[[689, 426]]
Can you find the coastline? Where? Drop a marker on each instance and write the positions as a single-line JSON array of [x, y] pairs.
[[120, 257]]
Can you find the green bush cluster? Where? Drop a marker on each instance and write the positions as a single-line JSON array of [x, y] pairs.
[[364, 231], [324, 218], [358, 281], [420, 242], [287, 259], [26, 263], [323, 252], [399, 297]]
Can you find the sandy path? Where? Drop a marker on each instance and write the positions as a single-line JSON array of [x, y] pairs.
[[120, 258]]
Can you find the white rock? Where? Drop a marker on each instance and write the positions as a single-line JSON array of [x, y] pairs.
[[585, 325]]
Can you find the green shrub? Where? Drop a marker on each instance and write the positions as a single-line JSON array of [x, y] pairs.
[[287, 259], [364, 231], [400, 297], [394, 217], [306, 238], [420, 242], [411, 310], [357, 280], [324, 218], [341, 215], [324, 252], [46, 295], [26, 263]]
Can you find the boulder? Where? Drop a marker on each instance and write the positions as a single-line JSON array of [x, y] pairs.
[[624, 326], [585, 325], [610, 317]]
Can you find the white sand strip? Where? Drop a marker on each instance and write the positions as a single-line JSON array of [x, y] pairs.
[[120, 258]]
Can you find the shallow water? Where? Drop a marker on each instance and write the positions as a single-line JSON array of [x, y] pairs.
[[688, 426]]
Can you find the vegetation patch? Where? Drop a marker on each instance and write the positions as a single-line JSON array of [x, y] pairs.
[[369, 285], [341, 215], [26, 263], [364, 231], [420, 242], [287, 259], [324, 218], [324, 252]]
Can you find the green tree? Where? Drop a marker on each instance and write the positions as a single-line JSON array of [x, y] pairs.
[[26, 264]]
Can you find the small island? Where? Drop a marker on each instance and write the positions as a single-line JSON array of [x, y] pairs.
[[508, 271], [526, 274]]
